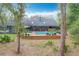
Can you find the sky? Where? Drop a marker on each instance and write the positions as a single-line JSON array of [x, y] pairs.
[[44, 9], [41, 7]]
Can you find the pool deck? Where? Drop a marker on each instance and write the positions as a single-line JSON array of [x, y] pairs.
[[42, 37]]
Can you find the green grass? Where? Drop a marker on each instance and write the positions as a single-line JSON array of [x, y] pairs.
[[13, 36]]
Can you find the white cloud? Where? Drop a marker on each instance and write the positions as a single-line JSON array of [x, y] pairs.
[[54, 14]]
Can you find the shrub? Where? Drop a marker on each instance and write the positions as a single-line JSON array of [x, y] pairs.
[[55, 48], [0, 38], [49, 42], [5, 38], [75, 43], [66, 48]]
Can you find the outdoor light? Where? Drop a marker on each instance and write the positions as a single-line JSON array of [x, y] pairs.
[[44, 22], [32, 22]]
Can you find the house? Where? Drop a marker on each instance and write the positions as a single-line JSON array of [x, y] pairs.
[[39, 23], [34, 23]]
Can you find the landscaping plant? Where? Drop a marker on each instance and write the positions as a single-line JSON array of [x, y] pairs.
[[5, 38]]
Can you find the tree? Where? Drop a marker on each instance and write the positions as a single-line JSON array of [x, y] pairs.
[[18, 13], [3, 18], [21, 11], [73, 21], [72, 13], [63, 27]]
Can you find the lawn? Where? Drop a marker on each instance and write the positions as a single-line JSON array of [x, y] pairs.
[[13, 36]]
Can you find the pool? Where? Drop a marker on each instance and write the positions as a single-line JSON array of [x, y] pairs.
[[44, 33], [41, 32]]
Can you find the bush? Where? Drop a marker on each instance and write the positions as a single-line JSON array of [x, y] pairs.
[[75, 40], [75, 43], [0, 38], [66, 48], [5, 38], [49, 42], [55, 48]]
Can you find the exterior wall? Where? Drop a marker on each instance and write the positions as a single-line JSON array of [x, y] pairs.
[[11, 29], [39, 28]]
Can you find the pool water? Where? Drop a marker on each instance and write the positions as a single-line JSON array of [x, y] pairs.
[[43, 32]]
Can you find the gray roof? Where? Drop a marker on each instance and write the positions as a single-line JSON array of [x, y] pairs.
[[40, 21]]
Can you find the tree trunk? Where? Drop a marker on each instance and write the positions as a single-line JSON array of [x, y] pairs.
[[63, 27], [18, 38]]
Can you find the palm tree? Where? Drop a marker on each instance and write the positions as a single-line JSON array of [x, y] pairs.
[[3, 18], [18, 14], [63, 27]]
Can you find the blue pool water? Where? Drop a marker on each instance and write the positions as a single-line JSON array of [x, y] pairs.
[[44, 33]]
